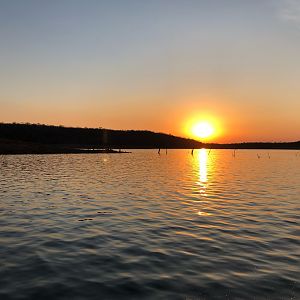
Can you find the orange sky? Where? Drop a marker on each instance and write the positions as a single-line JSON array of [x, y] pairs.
[[154, 66]]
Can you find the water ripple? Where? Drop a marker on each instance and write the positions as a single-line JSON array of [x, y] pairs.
[[143, 226]]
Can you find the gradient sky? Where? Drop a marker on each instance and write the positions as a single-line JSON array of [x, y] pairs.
[[153, 65]]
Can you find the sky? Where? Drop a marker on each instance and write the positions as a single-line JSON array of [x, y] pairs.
[[155, 65]]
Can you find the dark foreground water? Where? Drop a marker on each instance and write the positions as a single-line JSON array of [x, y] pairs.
[[144, 226]]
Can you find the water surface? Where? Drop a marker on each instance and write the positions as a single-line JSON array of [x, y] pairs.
[[149, 226]]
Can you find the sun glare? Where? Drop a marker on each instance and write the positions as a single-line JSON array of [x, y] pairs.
[[203, 127], [203, 130]]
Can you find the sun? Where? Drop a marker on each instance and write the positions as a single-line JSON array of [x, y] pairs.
[[203, 127], [203, 130]]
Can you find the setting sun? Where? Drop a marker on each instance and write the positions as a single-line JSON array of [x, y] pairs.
[[202, 127], [203, 130]]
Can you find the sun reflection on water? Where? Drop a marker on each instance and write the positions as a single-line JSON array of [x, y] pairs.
[[201, 180], [202, 156], [201, 171]]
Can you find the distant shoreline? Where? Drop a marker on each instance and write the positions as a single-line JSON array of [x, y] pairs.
[[43, 139], [10, 147], [19, 148]]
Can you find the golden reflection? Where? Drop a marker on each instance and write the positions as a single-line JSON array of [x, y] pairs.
[[202, 156], [203, 213], [200, 170], [203, 164]]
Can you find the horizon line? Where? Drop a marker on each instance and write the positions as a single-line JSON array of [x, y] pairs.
[[147, 130]]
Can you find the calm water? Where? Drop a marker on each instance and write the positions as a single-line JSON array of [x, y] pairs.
[[144, 226]]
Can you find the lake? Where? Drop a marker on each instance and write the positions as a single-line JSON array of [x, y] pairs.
[[149, 226]]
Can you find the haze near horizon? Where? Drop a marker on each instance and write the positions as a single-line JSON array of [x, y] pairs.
[[164, 66]]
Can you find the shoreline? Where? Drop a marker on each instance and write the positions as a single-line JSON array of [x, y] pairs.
[[111, 151], [45, 139], [63, 151], [11, 147]]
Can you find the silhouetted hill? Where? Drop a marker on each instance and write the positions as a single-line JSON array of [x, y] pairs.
[[35, 138], [92, 137]]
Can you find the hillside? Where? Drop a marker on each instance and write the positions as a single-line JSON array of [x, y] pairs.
[[35, 138], [70, 137]]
